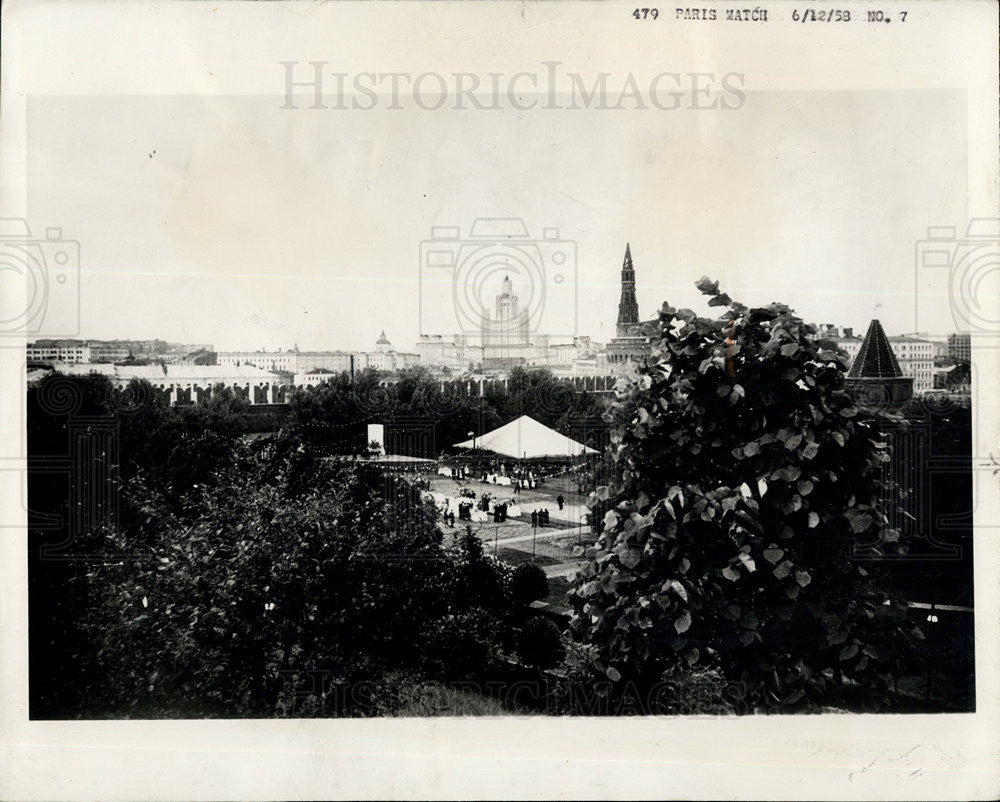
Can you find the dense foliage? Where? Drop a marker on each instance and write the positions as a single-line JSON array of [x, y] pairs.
[[87, 442], [271, 582], [743, 475], [333, 414]]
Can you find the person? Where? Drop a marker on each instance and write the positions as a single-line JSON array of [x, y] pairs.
[[560, 500], [451, 518], [544, 515], [496, 513], [534, 518]]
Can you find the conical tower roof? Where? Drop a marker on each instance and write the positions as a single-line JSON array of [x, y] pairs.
[[628, 308], [875, 359]]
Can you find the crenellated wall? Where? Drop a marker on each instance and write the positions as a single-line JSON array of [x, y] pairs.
[[256, 393], [272, 393]]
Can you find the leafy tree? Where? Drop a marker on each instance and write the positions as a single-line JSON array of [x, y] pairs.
[[181, 448], [332, 415], [744, 474], [216, 609]]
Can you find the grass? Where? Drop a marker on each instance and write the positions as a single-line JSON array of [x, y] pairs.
[[558, 588], [517, 557], [432, 699]]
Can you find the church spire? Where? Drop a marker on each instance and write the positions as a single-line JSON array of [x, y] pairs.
[[628, 307]]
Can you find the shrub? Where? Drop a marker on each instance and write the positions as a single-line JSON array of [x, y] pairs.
[[698, 692], [528, 584], [540, 643]]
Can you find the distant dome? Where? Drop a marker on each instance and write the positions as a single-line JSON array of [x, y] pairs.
[[383, 340]]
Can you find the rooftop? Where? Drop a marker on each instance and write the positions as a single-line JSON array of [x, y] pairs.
[[876, 358]]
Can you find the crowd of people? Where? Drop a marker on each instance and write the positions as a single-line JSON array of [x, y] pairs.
[[484, 508], [488, 505]]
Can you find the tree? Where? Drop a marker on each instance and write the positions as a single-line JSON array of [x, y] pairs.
[[744, 474], [218, 608]]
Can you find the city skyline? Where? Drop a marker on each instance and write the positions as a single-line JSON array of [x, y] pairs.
[[404, 343], [246, 226]]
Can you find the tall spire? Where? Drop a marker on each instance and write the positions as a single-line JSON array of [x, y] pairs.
[[628, 307]]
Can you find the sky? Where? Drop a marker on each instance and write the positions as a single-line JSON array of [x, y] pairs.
[[230, 221]]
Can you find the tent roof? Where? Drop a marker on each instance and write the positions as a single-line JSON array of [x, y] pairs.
[[526, 438]]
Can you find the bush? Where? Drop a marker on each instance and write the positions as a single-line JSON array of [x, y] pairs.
[[540, 643], [528, 584], [698, 692], [464, 645]]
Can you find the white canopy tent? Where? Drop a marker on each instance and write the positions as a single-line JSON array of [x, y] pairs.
[[526, 438]]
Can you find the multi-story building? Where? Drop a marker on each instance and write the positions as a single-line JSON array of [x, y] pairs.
[[58, 351], [301, 363], [576, 358], [285, 361], [844, 337], [960, 347], [314, 377], [916, 360], [457, 353], [108, 352], [332, 361], [387, 359], [505, 333]]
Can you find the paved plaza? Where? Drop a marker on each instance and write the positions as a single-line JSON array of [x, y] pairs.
[[515, 540]]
